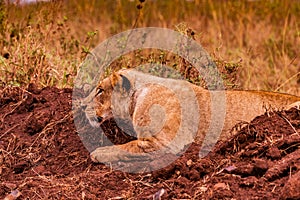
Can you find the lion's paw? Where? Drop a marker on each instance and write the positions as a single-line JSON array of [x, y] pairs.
[[104, 154], [114, 153]]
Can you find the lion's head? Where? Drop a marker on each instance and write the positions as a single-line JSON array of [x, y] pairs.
[[107, 95]]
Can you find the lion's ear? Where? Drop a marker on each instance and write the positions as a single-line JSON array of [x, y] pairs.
[[126, 85], [120, 81], [115, 78]]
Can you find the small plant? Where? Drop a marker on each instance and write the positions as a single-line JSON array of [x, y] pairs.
[[139, 16]]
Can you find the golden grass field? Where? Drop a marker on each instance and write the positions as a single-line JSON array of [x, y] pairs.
[[45, 43]]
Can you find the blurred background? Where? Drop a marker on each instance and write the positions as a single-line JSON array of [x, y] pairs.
[[44, 42]]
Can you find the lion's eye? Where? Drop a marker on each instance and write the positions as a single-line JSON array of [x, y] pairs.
[[99, 91]]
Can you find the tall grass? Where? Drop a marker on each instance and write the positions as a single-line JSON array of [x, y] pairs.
[[44, 43]]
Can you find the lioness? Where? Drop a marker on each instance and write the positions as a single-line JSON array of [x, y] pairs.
[[169, 114]]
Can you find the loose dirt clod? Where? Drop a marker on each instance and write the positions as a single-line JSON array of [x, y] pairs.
[[42, 157]]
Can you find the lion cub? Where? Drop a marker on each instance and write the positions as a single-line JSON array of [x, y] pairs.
[[168, 114]]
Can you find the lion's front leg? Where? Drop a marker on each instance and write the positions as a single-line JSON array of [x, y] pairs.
[[134, 150]]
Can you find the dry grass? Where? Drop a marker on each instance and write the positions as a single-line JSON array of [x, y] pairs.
[[44, 43]]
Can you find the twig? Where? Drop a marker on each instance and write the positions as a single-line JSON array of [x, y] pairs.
[[8, 131], [49, 126], [17, 105], [283, 84], [290, 124]]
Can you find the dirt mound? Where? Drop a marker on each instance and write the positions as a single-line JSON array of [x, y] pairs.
[[42, 157]]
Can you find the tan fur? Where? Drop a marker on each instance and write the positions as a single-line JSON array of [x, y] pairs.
[[156, 112]]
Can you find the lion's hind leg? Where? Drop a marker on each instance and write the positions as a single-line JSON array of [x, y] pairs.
[[294, 105]]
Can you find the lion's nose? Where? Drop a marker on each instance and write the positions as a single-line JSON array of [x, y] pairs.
[[83, 106], [99, 119]]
